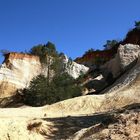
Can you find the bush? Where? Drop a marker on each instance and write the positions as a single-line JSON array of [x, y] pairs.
[[137, 24], [36, 93], [110, 44], [43, 51], [41, 92]]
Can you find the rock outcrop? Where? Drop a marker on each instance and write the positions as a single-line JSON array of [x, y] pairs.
[[124, 59], [91, 58], [128, 54], [16, 72], [74, 69], [19, 69]]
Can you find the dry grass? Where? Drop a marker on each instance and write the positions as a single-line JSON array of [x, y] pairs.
[[34, 126]]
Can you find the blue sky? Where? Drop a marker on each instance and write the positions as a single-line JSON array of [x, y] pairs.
[[74, 26]]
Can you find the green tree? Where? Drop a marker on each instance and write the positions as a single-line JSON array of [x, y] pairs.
[[49, 57], [89, 51], [65, 87], [4, 52], [110, 44], [43, 51], [36, 93], [137, 24], [60, 88]]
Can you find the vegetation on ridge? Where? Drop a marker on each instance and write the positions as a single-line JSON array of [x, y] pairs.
[[99, 57]]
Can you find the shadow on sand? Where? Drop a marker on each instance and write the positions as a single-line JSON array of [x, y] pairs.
[[67, 126]]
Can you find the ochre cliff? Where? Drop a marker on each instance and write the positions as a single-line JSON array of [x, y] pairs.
[[16, 72], [96, 57], [100, 57], [19, 69], [15, 55]]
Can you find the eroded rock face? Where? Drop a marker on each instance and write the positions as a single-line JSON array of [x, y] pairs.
[[19, 69], [16, 72], [74, 69], [126, 58], [90, 58], [126, 55]]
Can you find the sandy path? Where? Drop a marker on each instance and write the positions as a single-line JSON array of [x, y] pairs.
[[29, 112]]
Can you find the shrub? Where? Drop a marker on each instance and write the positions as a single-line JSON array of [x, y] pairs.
[[36, 93], [110, 44], [41, 92], [42, 51]]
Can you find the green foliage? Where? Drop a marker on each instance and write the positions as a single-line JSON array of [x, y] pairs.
[[44, 50], [81, 78], [65, 87], [137, 24], [110, 44], [89, 51], [4, 52], [35, 94], [98, 61], [49, 58], [57, 65], [41, 92]]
